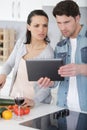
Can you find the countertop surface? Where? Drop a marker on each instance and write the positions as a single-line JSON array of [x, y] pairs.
[[37, 111]]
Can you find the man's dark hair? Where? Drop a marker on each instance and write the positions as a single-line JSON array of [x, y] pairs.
[[66, 7]]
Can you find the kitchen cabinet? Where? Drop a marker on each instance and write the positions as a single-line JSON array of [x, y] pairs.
[[26, 6], [51, 3], [17, 10], [82, 3], [9, 10], [6, 9]]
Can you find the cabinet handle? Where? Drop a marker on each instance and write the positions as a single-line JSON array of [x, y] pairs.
[[19, 7], [13, 4]]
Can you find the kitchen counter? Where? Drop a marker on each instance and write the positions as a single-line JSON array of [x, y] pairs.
[[37, 111]]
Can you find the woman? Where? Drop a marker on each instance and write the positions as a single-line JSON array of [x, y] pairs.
[[34, 46]]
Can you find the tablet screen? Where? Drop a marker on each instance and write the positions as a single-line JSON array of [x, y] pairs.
[[44, 68]]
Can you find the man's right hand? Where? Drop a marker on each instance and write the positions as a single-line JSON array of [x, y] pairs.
[[2, 80], [45, 82]]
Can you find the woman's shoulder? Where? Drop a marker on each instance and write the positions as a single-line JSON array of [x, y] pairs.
[[49, 52], [49, 48], [20, 41]]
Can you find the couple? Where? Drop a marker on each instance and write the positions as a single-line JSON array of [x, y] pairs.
[[73, 50]]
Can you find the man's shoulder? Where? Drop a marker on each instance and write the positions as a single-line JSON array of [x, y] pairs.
[[83, 31], [62, 42]]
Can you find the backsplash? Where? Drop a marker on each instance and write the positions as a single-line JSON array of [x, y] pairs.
[[53, 31], [19, 27]]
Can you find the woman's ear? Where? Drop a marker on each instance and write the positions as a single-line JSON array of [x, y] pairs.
[[28, 27]]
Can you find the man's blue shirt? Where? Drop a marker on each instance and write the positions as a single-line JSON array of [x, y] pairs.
[[63, 50]]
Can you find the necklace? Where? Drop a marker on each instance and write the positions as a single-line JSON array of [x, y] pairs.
[[31, 47], [33, 52]]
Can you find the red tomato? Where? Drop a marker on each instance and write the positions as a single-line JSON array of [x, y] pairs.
[[26, 110], [15, 106], [19, 112], [10, 107]]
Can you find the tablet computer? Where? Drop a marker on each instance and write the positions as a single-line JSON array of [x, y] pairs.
[[44, 68]]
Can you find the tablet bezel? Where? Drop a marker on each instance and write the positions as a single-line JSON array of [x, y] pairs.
[[44, 68]]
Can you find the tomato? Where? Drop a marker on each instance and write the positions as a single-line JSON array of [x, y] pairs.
[[23, 111], [26, 110], [15, 106], [10, 107], [19, 112]]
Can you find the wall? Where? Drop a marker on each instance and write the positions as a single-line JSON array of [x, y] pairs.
[[20, 27], [54, 33]]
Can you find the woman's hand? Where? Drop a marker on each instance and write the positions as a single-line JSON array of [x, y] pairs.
[[28, 102], [2, 80], [45, 82]]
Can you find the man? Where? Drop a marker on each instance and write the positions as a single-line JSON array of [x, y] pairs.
[[72, 92]]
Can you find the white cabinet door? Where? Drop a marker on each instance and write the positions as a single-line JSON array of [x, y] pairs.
[[17, 10], [26, 6], [9, 10], [81, 3], [6, 7]]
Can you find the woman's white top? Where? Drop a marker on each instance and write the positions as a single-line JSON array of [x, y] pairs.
[[21, 83]]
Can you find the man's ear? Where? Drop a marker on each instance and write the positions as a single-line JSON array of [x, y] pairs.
[[77, 18]]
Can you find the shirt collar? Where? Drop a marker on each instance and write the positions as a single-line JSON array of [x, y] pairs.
[[83, 31]]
